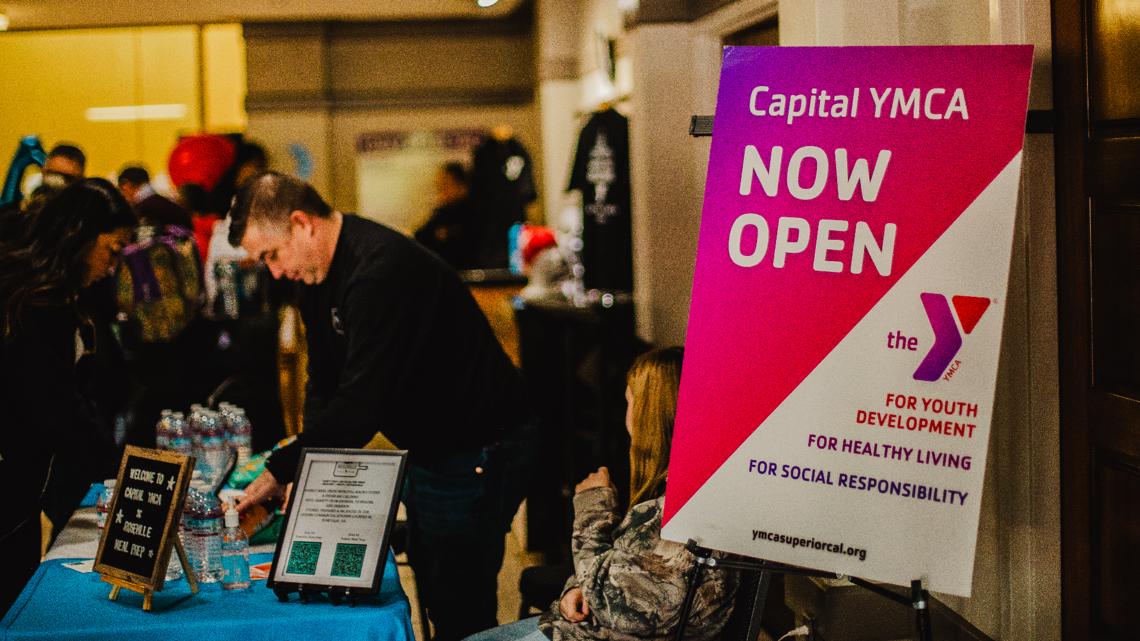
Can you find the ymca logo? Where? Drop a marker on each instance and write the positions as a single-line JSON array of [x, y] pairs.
[[947, 339]]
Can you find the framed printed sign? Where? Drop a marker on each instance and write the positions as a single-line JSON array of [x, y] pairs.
[[339, 521], [847, 308]]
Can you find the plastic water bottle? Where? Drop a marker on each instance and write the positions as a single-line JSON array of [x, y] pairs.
[[173, 567], [190, 521], [203, 528], [235, 554], [212, 538], [178, 437], [194, 420], [215, 451], [103, 502], [162, 430], [240, 434], [226, 413]]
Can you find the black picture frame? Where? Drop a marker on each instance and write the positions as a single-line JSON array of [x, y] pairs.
[[322, 584]]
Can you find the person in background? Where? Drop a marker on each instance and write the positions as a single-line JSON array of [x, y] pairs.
[[397, 344], [194, 199], [65, 164], [629, 584], [209, 205], [102, 369], [451, 231], [53, 255], [250, 160], [159, 291], [152, 208]]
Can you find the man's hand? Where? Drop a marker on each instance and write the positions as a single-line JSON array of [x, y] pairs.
[[601, 478], [263, 488], [573, 605]]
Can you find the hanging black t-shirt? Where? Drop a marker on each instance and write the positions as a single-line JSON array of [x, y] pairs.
[[502, 185], [601, 172]]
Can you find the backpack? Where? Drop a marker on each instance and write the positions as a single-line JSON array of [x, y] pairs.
[[160, 282]]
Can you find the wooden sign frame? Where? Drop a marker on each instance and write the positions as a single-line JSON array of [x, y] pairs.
[[168, 538], [283, 587]]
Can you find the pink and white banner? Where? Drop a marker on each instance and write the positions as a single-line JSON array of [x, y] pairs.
[[847, 308]]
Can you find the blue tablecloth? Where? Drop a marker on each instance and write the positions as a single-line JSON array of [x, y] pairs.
[[60, 603]]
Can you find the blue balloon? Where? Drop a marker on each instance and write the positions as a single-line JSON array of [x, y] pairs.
[[302, 159], [29, 152]]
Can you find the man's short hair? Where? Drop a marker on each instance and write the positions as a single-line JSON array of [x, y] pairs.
[[133, 175], [71, 152], [269, 199]]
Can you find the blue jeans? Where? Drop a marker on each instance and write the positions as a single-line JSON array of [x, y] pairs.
[[460, 506], [522, 630]]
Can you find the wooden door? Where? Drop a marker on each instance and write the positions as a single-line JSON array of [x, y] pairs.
[[1097, 100]]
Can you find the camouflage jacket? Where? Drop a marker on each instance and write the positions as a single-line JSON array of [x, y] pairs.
[[633, 580]]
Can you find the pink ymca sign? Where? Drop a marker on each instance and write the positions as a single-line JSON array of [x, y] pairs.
[[847, 308]]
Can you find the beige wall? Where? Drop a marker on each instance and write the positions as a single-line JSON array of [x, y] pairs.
[[52, 78], [346, 127], [322, 86]]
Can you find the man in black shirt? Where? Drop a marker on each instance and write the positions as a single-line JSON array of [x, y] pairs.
[[452, 231], [398, 345]]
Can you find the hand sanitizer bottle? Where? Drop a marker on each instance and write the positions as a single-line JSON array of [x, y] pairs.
[[235, 554]]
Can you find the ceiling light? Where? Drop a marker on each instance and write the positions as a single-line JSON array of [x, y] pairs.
[[3, 21], [131, 113], [486, 3]]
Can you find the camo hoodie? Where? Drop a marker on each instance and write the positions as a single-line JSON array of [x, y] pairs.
[[633, 580]]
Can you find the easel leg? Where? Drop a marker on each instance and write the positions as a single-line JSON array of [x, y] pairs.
[[764, 581], [702, 555], [181, 552], [147, 600], [114, 592], [920, 600]]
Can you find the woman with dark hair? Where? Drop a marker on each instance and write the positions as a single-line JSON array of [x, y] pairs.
[[629, 583], [47, 258]]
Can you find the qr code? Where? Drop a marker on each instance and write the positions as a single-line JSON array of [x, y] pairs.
[[303, 557], [349, 559]]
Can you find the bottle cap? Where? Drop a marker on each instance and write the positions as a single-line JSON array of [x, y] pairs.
[[177, 415], [231, 517], [167, 412]]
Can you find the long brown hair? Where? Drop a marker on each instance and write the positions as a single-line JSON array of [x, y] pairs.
[[653, 382]]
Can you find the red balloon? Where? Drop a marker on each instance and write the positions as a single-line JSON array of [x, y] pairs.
[[200, 159]]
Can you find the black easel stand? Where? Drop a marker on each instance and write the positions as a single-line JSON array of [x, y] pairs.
[[919, 598], [700, 127]]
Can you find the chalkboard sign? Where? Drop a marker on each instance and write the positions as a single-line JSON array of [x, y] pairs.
[[142, 523]]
